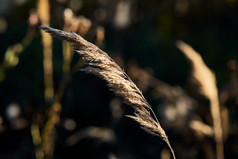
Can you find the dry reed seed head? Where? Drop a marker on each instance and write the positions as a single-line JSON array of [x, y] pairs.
[[97, 59], [207, 82], [120, 88], [119, 85], [201, 73], [89, 52], [148, 124], [143, 117], [101, 65]]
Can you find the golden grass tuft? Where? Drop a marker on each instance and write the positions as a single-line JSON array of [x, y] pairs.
[[101, 65]]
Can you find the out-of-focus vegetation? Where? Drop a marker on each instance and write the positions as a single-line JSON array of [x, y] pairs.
[[49, 109]]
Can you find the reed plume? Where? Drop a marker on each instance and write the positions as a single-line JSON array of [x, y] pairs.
[[101, 65], [206, 80]]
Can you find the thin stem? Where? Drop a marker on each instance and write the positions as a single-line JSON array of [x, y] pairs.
[[171, 149]]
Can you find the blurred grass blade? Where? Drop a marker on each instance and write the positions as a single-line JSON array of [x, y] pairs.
[[206, 80], [43, 11]]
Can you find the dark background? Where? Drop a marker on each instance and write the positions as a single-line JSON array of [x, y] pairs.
[[146, 40]]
